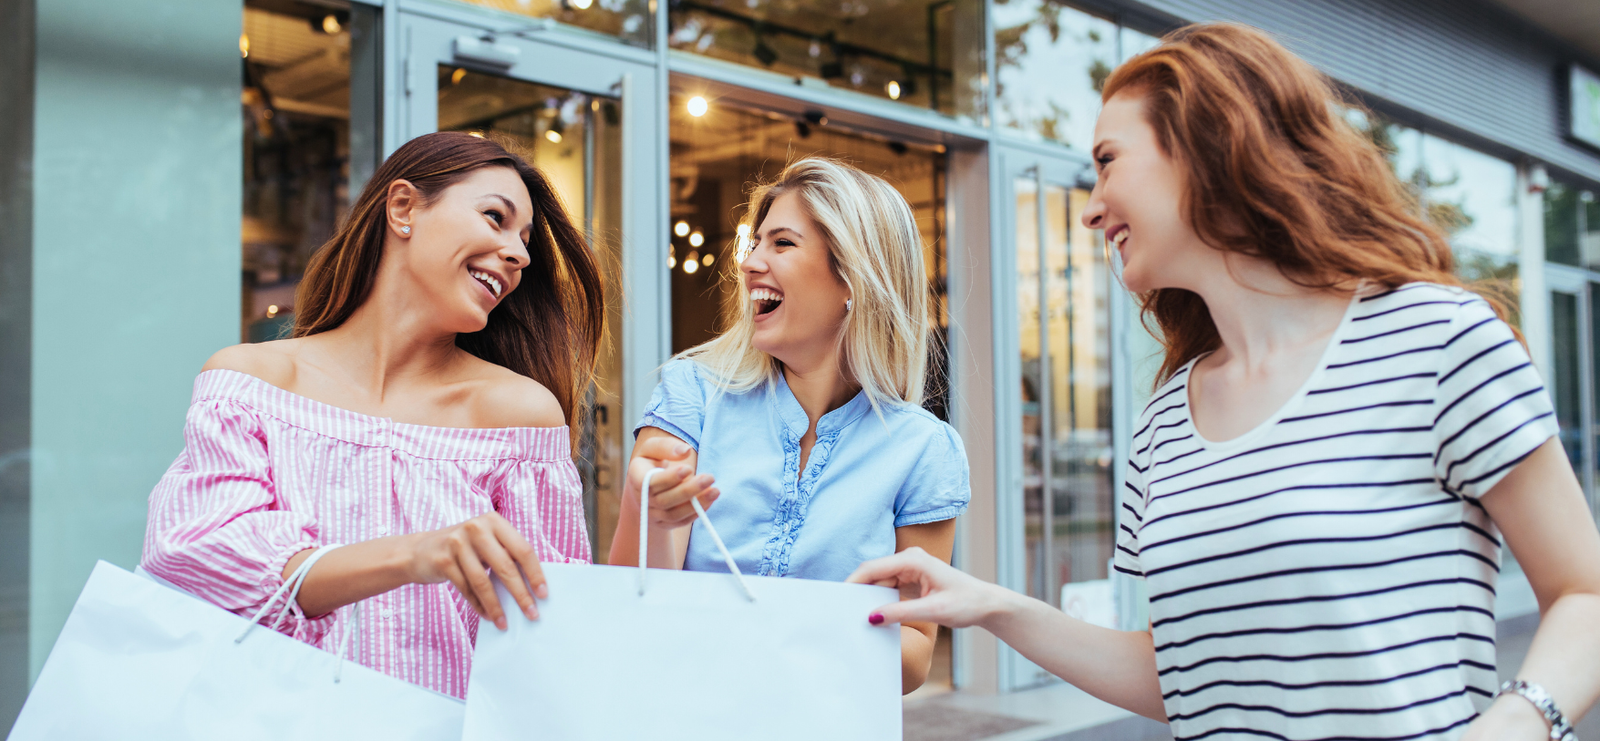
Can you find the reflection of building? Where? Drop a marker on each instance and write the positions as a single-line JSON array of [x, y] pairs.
[[174, 170]]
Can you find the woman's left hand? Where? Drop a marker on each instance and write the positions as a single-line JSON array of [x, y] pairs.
[[1508, 719]]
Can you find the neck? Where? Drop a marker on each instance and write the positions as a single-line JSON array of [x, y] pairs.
[[1260, 314], [820, 386], [391, 340]]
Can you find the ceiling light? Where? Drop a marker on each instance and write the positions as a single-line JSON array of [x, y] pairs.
[[244, 46], [893, 89], [697, 106], [579, 4], [330, 24], [681, 228], [690, 265], [696, 239], [457, 76], [553, 135]]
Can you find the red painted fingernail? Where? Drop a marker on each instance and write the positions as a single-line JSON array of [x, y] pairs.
[[875, 618]]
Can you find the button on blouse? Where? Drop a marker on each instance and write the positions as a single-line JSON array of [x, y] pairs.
[[266, 473], [870, 471]]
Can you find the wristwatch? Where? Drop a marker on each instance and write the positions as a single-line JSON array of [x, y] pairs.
[[1560, 727]]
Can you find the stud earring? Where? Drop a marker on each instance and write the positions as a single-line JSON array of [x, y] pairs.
[[849, 304], [405, 230]]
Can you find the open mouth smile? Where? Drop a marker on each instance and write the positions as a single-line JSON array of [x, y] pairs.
[[766, 300], [489, 281]]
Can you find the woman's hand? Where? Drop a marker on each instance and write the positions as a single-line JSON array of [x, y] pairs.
[[464, 555], [671, 490], [930, 591], [1510, 718]]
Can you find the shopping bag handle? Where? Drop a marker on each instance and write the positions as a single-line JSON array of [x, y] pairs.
[[292, 586], [644, 535]]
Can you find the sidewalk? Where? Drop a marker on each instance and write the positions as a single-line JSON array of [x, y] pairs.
[[1060, 712]]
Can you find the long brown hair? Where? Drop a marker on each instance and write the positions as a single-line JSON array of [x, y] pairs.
[[548, 329], [1273, 171]]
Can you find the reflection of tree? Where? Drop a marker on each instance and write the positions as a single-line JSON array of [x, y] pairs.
[[1011, 52], [1451, 218]]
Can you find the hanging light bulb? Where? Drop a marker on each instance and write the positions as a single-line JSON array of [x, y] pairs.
[[696, 239], [681, 228], [691, 263]]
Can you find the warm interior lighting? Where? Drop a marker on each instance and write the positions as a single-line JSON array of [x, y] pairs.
[[690, 265], [707, 259], [672, 262], [697, 239], [681, 228], [330, 24], [697, 106], [478, 134], [744, 230], [893, 89], [244, 46], [553, 135], [458, 75], [580, 4], [272, 311]]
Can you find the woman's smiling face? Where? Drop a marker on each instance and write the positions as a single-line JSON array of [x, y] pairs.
[[1138, 198], [465, 251], [799, 301]]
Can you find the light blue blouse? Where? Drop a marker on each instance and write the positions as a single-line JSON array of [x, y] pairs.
[[865, 477]]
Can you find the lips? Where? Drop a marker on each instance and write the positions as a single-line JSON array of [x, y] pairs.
[[766, 300], [489, 281]]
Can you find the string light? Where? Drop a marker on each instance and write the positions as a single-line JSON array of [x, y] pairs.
[[690, 265], [681, 228], [696, 239], [272, 311], [707, 259]]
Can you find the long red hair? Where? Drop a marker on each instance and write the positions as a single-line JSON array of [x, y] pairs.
[[1273, 171]]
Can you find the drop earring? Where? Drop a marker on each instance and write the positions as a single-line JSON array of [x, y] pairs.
[[405, 230]]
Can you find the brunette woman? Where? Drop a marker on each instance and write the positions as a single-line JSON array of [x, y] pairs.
[[419, 415], [1341, 437]]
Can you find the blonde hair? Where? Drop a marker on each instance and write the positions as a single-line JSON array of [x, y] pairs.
[[875, 247]]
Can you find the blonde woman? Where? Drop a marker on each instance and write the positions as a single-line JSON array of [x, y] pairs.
[[806, 411]]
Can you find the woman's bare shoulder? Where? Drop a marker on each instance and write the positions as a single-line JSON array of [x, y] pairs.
[[506, 398], [272, 362]]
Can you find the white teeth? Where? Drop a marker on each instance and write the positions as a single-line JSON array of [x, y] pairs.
[[763, 294], [1121, 237], [493, 282]]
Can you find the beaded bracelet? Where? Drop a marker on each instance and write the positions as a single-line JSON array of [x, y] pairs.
[[1560, 728]]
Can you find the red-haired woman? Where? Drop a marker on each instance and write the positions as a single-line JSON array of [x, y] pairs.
[[419, 416], [1341, 436]]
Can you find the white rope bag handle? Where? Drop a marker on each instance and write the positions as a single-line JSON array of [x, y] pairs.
[[292, 586], [644, 535]]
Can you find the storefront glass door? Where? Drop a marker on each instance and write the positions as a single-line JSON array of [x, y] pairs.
[[574, 115], [1059, 506]]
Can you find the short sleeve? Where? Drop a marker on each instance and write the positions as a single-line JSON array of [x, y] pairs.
[[1491, 408], [216, 526], [543, 500], [1130, 516], [940, 485], [678, 404]]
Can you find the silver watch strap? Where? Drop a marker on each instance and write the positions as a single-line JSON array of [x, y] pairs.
[[1560, 727]]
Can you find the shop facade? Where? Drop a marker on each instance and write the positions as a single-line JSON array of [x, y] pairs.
[[173, 168]]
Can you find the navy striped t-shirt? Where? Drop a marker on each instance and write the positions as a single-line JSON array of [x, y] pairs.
[[1331, 574]]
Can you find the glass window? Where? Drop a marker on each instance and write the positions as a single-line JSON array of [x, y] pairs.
[[1571, 225], [1472, 198], [1401, 146], [1051, 62], [296, 107], [1566, 378], [926, 53], [576, 141], [1133, 43], [629, 20]]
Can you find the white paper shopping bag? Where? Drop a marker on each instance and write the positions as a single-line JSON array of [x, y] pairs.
[[138, 660], [693, 657]]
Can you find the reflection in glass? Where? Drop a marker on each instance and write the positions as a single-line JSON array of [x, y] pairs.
[[296, 108], [576, 141], [1051, 62], [1033, 475], [629, 20], [1134, 43], [1566, 380], [1472, 198], [926, 53], [1594, 371], [1571, 225]]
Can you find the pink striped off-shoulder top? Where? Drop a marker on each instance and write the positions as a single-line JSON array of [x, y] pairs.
[[266, 473]]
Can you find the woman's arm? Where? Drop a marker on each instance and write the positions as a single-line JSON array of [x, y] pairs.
[[1540, 509], [670, 492], [1116, 666], [917, 639]]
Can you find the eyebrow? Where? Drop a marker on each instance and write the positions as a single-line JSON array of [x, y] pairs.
[[512, 207], [775, 232], [1099, 145]]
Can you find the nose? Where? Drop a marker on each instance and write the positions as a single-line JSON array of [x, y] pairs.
[[515, 253], [755, 262], [1094, 212]]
